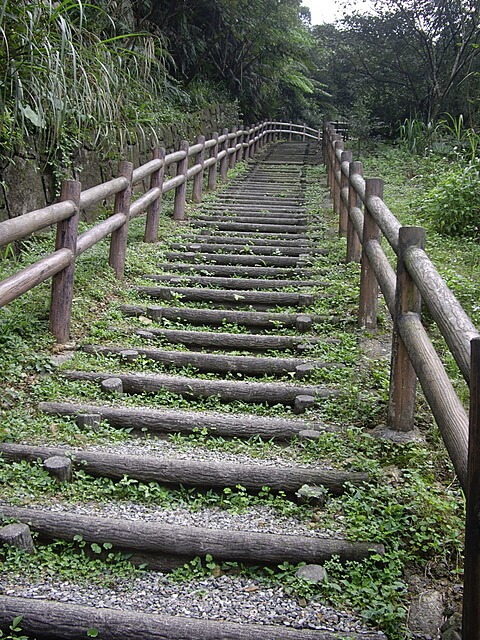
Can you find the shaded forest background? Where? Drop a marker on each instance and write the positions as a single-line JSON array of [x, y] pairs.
[[109, 72]]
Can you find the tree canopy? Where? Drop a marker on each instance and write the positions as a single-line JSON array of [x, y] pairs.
[[407, 58], [116, 67]]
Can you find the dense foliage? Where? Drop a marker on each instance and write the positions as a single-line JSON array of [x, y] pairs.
[[405, 58], [112, 71]]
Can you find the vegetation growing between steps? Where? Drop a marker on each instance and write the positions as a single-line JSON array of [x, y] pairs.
[[412, 504]]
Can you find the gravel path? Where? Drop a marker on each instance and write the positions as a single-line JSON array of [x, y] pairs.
[[230, 598], [260, 519]]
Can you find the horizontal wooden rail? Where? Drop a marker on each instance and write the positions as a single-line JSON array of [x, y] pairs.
[[94, 195], [452, 320], [21, 282], [212, 156], [21, 227], [100, 231]]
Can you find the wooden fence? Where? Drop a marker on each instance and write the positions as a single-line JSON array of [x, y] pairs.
[[364, 218], [191, 162]]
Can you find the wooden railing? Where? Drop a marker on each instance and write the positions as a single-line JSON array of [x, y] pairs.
[[192, 162], [364, 218]]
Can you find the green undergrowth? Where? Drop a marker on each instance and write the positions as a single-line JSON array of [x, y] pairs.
[[75, 560], [85, 489]]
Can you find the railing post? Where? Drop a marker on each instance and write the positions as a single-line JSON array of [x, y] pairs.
[[367, 313], [403, 380], [337, 172], [264, 139], [251, 143], [471, 575], [325, 140], [62, 282], [290, 133], [153, 211], [198, 178], [181, 190], [224, 160], [240, 138], [354, 246], [255, 140], [304, 132], [212, 170], [344, 181], [334, 138], [233, 156], [118, 240]]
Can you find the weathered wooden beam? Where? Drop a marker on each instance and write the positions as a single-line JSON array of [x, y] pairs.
[[235, 259], [245, 240], [233, 283], [153, 212], [222, 544], [471, 579], [217, 363], [255, 219], [173, 421], [229, 296], [203, 473], [403, 380], [226, 390], [247, 249], [254, 227], [235, 270], [446, 407], [61, 621], [219, 316], [234, 341]]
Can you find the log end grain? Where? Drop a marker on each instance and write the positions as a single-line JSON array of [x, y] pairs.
[[112, 386], [59, 467], [303, 402], [303, 370], [303, 323], [312, 494], [89, 421], [129, 355], [17, 535]]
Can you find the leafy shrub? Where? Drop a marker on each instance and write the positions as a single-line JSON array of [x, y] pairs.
[[453, 204]]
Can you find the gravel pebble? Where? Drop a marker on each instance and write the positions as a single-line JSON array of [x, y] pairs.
[[260, 519], [232, 598], [158, 447]]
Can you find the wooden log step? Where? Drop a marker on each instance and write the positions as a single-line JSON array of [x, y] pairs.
[[245, 240], [62, 621], [247, 248], [262, 210], [233, 283], [235, 258], [155, 537], [235, 270], [227, 391], [261, 195], [202, 473], [214, 363], [160, 421], [229, 296], [252, 236], [260, 198], [253, 227], [234, 341], [216, 317], [268, 219], [254, 193]]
